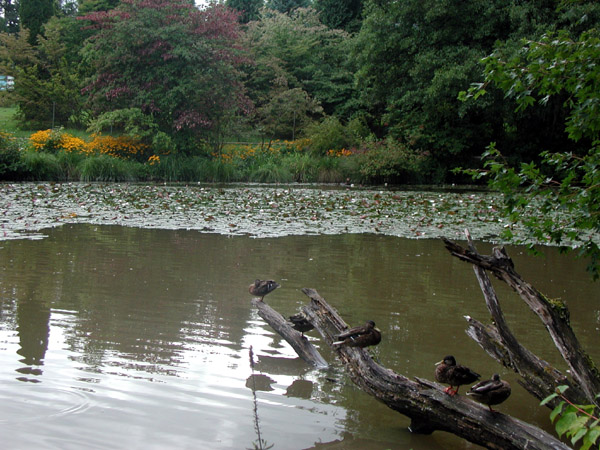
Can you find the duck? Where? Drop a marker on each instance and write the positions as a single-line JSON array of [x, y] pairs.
[[491, 392], [361, 337], [260, 288], [300, 323], [448, 372]]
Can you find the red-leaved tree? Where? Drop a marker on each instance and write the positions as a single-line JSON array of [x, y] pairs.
[[166, 71]]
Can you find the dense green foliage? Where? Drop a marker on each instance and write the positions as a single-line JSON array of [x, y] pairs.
[[377, 79], [34, 14], [248, 9], [341, 15], [146, 56], [554, 66]]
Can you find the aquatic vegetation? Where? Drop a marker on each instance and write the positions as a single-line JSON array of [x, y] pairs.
[[255, 210]]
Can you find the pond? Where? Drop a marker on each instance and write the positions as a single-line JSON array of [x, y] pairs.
[[137, 336]]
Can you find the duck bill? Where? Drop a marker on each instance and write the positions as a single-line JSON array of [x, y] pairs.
[[439, 362]]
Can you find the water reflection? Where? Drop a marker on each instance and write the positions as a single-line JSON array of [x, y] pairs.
[[146, 333]]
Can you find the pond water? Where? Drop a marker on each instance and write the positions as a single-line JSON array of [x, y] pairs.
[[128, 337]]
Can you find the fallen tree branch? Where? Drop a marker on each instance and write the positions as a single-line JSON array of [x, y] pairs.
[[423, 401], [539, 377], [299, 343]]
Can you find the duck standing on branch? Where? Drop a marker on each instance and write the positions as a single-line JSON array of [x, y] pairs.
[[300, 323], [448, 372], [491, 392], [260, 288], [360, 336]]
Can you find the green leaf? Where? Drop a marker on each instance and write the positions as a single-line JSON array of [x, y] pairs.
[[556, 411], [590, 438], [565, 423], [548, 399]]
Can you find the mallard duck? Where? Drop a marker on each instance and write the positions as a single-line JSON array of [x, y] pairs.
[[300, 323], [260, 288], [491, 392], [448, 372], [360, 336]]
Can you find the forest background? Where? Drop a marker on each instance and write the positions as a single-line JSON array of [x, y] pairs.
[[353, 91]]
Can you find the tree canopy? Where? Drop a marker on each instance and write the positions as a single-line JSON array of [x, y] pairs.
[[165, 70]]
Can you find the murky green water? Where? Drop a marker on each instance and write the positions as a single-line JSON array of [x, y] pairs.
[[122, 337]]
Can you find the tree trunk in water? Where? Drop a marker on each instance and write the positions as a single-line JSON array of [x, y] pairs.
[[538, 377], [425, 402], [299, 343]]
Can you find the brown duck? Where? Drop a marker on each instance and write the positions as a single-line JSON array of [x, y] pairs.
[[360, 336], [448, 372], [491, 392], [260, 288], [300, 323]]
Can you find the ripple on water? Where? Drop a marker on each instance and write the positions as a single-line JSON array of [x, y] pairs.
[[36, 402]]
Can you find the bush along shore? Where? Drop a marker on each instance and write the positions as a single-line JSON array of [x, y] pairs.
[[54, 155]]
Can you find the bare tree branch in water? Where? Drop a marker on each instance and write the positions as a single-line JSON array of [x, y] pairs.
[[423, 401], [537, 375]]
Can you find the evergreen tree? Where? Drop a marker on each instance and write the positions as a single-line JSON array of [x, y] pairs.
[[9, 22], [34, 14], [287, 6], [249, 9], [340, 14]]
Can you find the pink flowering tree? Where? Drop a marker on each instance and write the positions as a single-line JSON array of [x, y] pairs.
[[165, 71]]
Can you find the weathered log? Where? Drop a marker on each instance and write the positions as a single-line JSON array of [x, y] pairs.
[[425, 402], [299, 343], [538, 376]]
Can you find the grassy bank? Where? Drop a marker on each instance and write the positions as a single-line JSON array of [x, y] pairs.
[[65, 155]]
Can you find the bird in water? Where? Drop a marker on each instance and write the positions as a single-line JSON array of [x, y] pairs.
[[448, 372], [300, 323], [491, 392], [361, 337], [260, 288]]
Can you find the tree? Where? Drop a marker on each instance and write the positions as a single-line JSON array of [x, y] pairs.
[[249, 9], [345, 14], [47, 84], [34, 14], [414, 56], [10, 16], [166, 71], [286, 6], [296, 51], [565, 186]]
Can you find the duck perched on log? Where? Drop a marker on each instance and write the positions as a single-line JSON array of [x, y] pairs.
[[260, 288], [448, 372], [491, 392], [300, 323], [360, 336]]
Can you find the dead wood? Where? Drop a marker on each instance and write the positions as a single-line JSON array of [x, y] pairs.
[[538, 377], [425, 402], [299, 343]]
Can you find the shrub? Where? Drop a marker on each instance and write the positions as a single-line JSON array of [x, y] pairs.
[[390, 161], [11, 165], [329, 134]]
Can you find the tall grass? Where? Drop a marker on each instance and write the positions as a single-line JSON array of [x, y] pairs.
[[41, 166], [108, 168]]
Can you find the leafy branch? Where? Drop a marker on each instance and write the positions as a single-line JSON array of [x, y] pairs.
[[577, 422]]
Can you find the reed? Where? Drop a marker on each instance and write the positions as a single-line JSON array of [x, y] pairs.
[[108, 168]]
